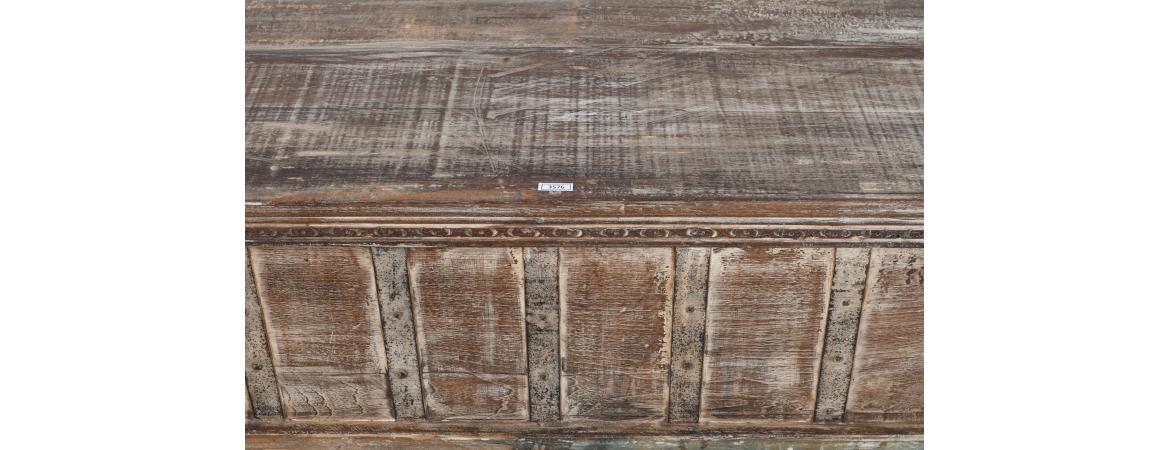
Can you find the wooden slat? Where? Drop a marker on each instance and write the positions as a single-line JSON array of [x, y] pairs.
[[263, 392], [584, 428], [765, 319], [501, 441], [398, 330], [469, 309], [321, 313], [454, 23], [543, 310], [687, 331], [888, 372], [849, 270], [378, 125], [616, 315]]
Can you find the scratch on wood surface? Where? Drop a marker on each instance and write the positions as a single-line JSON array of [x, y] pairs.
[[448, 112], [700, 123]]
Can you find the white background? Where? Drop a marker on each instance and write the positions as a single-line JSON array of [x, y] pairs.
[[122, 175]]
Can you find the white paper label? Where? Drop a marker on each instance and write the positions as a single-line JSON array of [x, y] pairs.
[[555, 187]]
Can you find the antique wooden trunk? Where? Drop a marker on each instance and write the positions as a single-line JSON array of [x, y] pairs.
[[738, 259]]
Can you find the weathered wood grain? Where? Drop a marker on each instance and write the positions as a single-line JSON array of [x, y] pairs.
[[786, 134], [615, 316], [369, 126], [765, 320], [888, 366], [398, 330], [585, 428], [260, 377], [687, 331], [456, 396], [469, 309], [508, 441], [454, 23], [873, 211], [543, 311], [321, 313], [849, 271]]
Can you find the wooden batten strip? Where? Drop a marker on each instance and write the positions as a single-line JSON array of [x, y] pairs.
[[542, 306], [848, 293], [692, 266], [398, 331], [259, 373]]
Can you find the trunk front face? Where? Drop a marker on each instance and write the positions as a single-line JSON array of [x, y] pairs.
[[668, 335]]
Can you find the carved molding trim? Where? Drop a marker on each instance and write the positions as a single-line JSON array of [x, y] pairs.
[[585, 235]]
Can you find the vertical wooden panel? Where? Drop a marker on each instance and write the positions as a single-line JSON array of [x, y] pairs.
[[259, 375], [321, 312], [688, 327], [888, 371], [398, 331], [469, 309], [616, 314], [845, 302], [765, 318], [543, 310]]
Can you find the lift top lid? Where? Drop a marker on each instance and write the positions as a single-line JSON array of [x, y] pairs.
[[744, 104]]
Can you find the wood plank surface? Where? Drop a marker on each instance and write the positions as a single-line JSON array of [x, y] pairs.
[[469, 309], [585, 428], [398, 330], [594, 22], [330, 126], [260, 377], [542, 314], [615, 316], [506, 441], [321, 313], [687, 331], [765, 322], [888, 369]]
